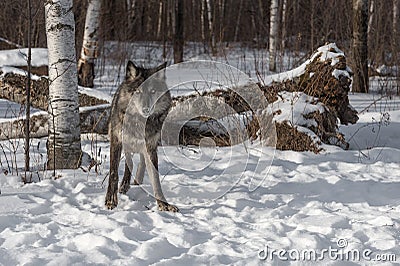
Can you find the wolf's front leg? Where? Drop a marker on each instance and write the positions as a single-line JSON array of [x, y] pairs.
[[151, 160], [111, 200], [126, 181]]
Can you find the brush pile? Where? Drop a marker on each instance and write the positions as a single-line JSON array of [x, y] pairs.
[[305, 103]]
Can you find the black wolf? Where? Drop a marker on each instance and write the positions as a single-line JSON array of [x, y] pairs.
[[149, 103]]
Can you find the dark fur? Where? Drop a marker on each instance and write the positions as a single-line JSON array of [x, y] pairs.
[[143, 113]]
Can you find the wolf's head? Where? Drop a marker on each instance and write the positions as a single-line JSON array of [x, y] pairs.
[[149, 90]]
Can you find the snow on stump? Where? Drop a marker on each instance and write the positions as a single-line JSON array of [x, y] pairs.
[[309, 100], [306, 105]]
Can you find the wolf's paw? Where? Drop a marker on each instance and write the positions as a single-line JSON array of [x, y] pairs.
[[165, 206], [111, 201], [123, 189]]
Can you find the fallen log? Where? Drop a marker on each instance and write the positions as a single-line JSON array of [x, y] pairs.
[[322, 84], [92, 120]]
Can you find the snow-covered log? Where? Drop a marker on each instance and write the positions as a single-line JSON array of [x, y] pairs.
[[93, 119], [306, 103]]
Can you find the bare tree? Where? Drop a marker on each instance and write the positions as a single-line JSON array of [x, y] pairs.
[[178, 38], [211, 26], [360, 45], [28, 90], [371, 15], [273, 34], [202, 14], [283, 37], [238, 21], [64, 146], [160, 16], [90, 44], [395, 19]]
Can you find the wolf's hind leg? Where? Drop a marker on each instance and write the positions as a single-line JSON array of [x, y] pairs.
[[140, 171], [126, 181]]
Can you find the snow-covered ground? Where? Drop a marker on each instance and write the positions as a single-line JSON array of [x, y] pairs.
[[333, 204]]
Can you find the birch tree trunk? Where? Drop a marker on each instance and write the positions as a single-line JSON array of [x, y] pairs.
[[28, 90], [160, 16], [211, 27], [273, 34], [395, 20], [360, 45], [371, 16], [202, 9], [90, 44], [64, 146], [283, 37], [395, 38]]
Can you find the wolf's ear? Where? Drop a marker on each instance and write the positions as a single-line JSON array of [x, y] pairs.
[[160, 71], [162, 66], [132, 71]]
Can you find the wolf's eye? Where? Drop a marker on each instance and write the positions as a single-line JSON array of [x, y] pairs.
[[153, 91]]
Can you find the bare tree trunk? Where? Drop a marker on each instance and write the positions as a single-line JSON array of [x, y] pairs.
[[64, 145], [283, 37], [238, 21], [221, 5], [90, 44], [395, 38], [28, 90], [273, 34], [149, 18], [312, 25], [360, 45], [131, 5], [178, 38], [160, 16], [371, 15], [202, 14], [260, 7], [211, 27], [395, 19]]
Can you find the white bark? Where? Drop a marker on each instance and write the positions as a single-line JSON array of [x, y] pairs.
[[131, 12], [211, 26], [273, 34], [395, 17], [371, 16], [159, 23], [90, 36], [90, 48], [283, 44], [64, 147]]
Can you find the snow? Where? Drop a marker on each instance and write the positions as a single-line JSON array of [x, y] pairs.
[[326, 52], [305, 200], [15, 70], [292, 106], [19, 57]]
